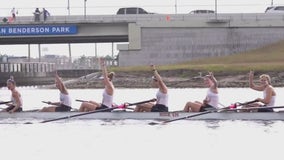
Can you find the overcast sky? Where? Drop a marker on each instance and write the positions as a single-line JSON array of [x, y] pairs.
[[109, 7]]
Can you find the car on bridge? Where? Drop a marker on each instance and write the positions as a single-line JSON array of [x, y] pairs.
[[275, 9], [132, 10], [201, 11]]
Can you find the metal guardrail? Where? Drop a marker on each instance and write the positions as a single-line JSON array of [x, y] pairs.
[[27, 67], [149, 17]]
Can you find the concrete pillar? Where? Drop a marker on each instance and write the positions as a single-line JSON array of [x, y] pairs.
[[29, 52], [39, 53]]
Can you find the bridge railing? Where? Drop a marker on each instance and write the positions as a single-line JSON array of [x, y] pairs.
[[148, 17], [27, 67]]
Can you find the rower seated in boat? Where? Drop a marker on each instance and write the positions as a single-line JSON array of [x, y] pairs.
[[211, 100], [64, 104], [16, 98], [269, 94], [108, 93], [161, 104]]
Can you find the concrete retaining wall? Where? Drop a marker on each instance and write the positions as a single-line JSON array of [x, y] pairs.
[[171, 45]]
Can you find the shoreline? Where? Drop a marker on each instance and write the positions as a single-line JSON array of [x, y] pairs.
[[173, 79]]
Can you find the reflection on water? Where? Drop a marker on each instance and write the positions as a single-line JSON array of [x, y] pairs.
[[214, 124], [134, 139], [127, 139]]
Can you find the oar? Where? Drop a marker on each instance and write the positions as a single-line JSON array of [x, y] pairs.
[[77, 115], [5, 102], [95, 111], [206, 112], [46, 102], [181, 118], [125, 105], [251, 108], [142, 102], [79, 100], [91, 112]]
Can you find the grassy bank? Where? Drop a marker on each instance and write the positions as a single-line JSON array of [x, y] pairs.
[[269, 58]]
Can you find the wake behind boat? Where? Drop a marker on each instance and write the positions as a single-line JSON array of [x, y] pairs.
[[158, 116]]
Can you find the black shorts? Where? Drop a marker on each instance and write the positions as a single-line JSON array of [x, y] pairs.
[[62, 108], [12, 107], [206, 107], [159, 108], [104, 108]]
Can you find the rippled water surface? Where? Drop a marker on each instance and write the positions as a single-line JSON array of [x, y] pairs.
[[133, 139]]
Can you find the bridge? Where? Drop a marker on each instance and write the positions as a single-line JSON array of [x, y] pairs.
[[153, 38]]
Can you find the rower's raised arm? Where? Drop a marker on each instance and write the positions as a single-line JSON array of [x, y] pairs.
[[251, 83], [162, 85], [213, 79], [104, 70], [107, 78], [60, 82]]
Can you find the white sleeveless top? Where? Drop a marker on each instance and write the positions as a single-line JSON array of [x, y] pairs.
[[14, 103], [65, 99], [162, 98], [272, 100], [212, 98], [107, 99]]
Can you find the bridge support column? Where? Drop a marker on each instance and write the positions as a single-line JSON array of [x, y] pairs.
[[134, 38]]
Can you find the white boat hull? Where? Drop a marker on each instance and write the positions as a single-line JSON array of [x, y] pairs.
[[161, 116]]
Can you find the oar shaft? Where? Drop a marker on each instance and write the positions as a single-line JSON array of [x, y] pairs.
[[79, 100], [142, 102], [77, 115], [190, 116], [5, 102], [251, 108]]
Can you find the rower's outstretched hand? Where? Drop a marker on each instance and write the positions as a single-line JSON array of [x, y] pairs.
[[153, 67], [251, 74]]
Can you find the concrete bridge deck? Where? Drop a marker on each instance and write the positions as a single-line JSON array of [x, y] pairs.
[[160, 38]]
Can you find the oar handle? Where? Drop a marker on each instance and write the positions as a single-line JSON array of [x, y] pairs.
[[5, 102], [79, 100], [142, 102], [46, 102]]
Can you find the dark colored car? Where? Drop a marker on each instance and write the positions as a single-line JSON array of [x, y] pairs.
[[131, 10], [202, 12], [275, 9]]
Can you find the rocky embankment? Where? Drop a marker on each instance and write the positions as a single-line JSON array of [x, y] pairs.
[[173, 79]]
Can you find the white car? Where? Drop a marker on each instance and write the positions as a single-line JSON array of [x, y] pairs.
[[275, 9]]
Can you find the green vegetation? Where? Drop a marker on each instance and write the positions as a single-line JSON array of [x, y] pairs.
[[269, 58]]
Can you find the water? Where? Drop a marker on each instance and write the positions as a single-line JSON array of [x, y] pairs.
[[133, 139]]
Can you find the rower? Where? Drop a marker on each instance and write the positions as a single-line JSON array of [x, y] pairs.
[[269, 94], [64, 105], [108, 93], [211, 100], [16, 97], [161, 104]]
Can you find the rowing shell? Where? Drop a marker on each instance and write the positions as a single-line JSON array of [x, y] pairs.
[[160, 116]]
